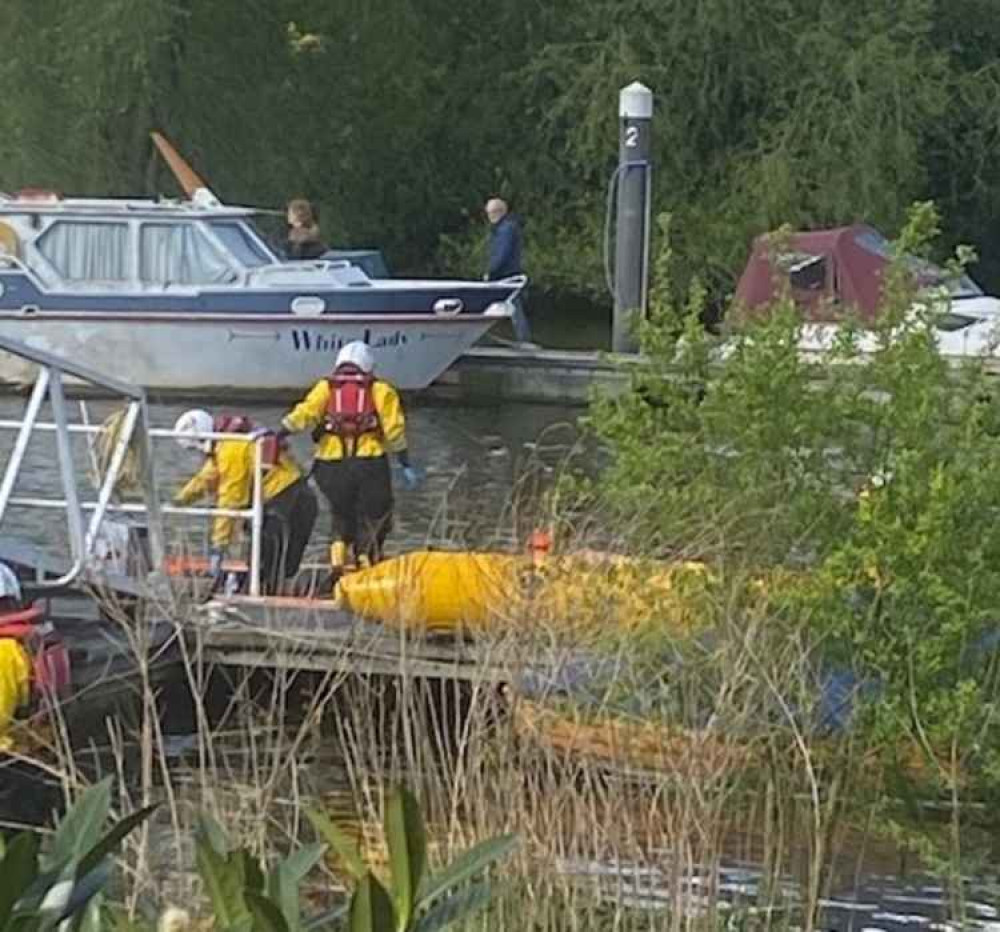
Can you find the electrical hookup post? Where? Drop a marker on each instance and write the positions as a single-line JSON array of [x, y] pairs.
[[632, 227]]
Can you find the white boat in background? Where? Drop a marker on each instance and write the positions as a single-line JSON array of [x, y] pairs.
[[186, 297], [834, 274]]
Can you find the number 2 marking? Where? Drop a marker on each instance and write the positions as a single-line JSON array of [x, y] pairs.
[[631, 137]]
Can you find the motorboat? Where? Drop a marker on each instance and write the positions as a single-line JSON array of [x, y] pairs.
[[837, 275], [186, 296]]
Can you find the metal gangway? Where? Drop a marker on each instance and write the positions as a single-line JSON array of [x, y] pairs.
[[87, 566]]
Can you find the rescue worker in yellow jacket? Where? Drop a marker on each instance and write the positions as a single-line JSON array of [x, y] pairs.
[[15, 665], [357, 421], [228, 474]]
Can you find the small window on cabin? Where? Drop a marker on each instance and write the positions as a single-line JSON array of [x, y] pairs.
[[180, 254], [809, 274], [86, 252], [952, 322], [244, 247]]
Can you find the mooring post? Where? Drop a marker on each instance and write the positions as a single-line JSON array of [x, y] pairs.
[[635, 111]]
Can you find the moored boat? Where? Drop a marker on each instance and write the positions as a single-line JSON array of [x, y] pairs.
[[839, 275], [186, 296]]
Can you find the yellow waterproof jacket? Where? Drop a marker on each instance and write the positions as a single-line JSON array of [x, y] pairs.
[[310, 412], [228, 472], [15, 683]]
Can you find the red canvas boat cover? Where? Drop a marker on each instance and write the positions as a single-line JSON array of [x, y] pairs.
[[828, 273]]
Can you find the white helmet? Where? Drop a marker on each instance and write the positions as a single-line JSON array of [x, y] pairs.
[[194, 422], [357, 354], [10, 587]]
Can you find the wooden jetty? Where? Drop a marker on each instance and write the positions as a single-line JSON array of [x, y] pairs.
[[512, 373], [314, 634]]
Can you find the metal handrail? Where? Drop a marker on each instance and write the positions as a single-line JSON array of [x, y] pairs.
[[135, 428], [253, 514]]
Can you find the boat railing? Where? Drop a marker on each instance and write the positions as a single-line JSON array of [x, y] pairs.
[[520, 281], [132, 433]]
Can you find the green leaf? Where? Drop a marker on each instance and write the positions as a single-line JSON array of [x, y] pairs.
[[18, 871], [223, 881], [86, 888], [371, 907], [39, 887], [284, 881], [404, 832], [455, 908], [80, 829], [212, 832], [250, 870], [91, 919], [303, 860], [341, 843], [110, 842], [327, 919], [467, 865], [266, 916]]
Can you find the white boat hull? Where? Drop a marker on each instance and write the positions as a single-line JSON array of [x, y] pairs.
[[244, 355]]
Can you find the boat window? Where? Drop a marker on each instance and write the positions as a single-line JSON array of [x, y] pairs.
[[180, 254], [928, 274], [235, 237], [87, 252], [952, 322], [875, 243], [808, 274]]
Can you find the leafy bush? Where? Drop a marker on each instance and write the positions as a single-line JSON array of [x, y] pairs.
[[245, 898], [748, 453], [412, 901], [59, 883]]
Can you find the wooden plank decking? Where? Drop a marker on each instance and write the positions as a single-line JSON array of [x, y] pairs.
[[310, 634]]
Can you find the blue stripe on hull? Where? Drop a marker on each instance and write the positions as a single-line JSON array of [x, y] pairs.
[[19, 291]]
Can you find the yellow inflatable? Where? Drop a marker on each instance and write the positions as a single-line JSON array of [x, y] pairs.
[[439, 590], [15, 681]]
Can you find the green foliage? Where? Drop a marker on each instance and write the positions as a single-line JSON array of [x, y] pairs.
[[759, 458], [60, 883], [398, 118], [412, 901], [242, 897]]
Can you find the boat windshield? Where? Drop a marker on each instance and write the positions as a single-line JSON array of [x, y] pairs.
[[928, 274], [246, 248]]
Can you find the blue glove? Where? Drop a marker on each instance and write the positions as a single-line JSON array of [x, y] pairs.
[[412, 477]]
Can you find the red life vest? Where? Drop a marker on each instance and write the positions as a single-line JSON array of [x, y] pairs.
[[270, 447], [51, 675], [351, 411]]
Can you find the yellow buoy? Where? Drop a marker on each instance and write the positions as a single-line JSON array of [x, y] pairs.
[[447, 591], [431, 589]]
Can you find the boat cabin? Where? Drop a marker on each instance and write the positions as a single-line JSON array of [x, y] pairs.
[[135, 245], [832, 273]]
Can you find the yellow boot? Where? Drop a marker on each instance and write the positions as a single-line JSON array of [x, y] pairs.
[[338, 565], [338, 555]]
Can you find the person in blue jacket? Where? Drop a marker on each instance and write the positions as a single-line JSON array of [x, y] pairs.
[[505, 258]]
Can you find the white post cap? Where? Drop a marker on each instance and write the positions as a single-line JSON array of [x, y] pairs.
[[635, 102]]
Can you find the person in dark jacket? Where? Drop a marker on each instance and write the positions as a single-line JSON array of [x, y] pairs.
[[303, 232], [505, 259]]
